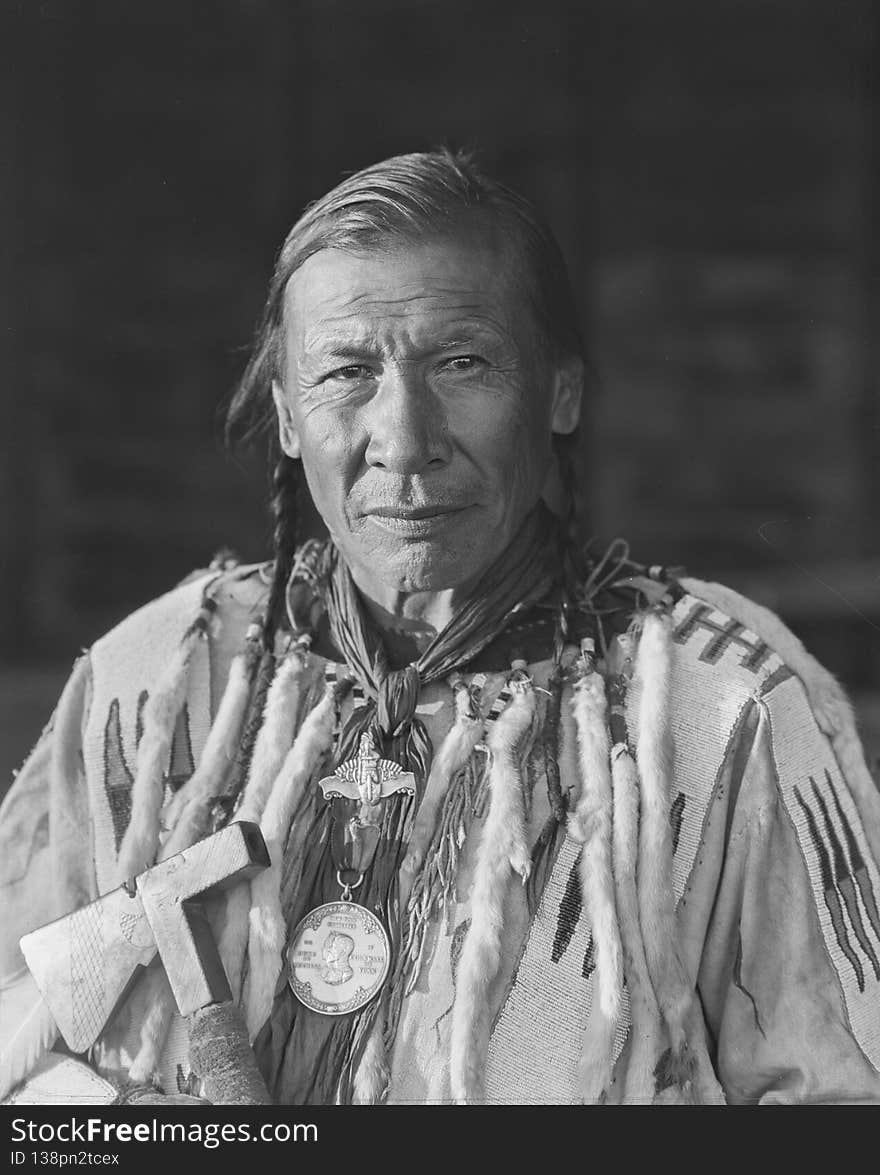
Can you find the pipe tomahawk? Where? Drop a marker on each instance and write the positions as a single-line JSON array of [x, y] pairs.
[[85, 964]]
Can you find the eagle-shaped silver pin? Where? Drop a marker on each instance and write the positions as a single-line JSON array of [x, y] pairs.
[[367, 777]]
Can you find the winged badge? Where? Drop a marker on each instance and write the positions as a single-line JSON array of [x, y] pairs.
[[367, 777]]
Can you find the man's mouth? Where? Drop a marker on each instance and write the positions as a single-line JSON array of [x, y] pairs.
[[413, 513], [415, 522]]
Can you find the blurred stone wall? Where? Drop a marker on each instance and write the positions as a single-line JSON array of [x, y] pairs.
[[711, 171]]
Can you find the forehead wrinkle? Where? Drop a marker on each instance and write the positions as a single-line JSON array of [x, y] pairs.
[[352, 301], [336, 332], [356, 306]]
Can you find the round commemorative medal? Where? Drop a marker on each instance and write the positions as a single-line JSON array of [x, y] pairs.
[[339, 958]]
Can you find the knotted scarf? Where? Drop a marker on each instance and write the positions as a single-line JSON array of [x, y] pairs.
[[308, 1058], [520, 577]]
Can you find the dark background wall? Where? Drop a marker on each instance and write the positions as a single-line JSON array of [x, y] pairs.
[[711, 170]]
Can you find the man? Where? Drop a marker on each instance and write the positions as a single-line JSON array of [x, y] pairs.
[[594, 833]]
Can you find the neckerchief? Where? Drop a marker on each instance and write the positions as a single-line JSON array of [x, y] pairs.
[[520, 577]]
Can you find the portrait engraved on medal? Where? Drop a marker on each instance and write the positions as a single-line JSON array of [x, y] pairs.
[[336, 952]]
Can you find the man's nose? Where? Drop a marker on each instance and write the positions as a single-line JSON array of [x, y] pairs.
[[407, 425]]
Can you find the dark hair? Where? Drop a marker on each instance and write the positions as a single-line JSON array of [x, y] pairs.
[[405, 198], [408, 197]]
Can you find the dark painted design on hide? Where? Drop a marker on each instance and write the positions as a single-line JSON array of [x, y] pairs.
[[721, 638], [181, 762], [832, 896], [118, 777], [676, 816], [569, 912]]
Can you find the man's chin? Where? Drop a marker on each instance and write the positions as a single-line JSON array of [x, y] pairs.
[[424, 571], [421, 566]]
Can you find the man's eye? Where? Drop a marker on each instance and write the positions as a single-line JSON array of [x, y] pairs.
[[353, 371], [463, 363]]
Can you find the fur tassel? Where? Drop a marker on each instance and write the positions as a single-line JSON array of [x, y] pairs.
[[33, 1035], [828, 701], [267, 928], [275, 737], [646, 1032], [597, 1056], [654, 761], [160, 1006], [189, 811], [502, 847], [273, 743], [373, 1076], [141, 840], [674, 1078], [591, 825], [69, 816], [455, 750]]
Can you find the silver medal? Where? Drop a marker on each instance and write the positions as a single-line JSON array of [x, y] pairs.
[[339, 958]]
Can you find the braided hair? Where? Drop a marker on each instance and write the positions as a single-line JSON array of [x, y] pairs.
[[285, 506], [285, 511]]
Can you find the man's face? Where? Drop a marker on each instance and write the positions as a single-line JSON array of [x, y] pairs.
[[421, 407]]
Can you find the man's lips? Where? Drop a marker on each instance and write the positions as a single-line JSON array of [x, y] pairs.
[[415, 522], [414, 513]]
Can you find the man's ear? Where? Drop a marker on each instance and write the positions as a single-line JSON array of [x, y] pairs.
[[567, 394], [287, 433]]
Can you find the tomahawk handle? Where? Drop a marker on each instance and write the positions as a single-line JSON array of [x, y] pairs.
[[222, 1057]]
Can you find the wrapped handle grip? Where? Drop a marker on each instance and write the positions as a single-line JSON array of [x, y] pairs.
[[222, 1057]]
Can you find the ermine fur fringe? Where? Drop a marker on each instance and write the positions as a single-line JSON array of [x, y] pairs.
[[69, 817], [267, 929], [646, 1033], [275, 737], [160, 1007], [373, 1076], [502, 847], [188, 812], [591, 824], [272, 745], [141, 838]]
